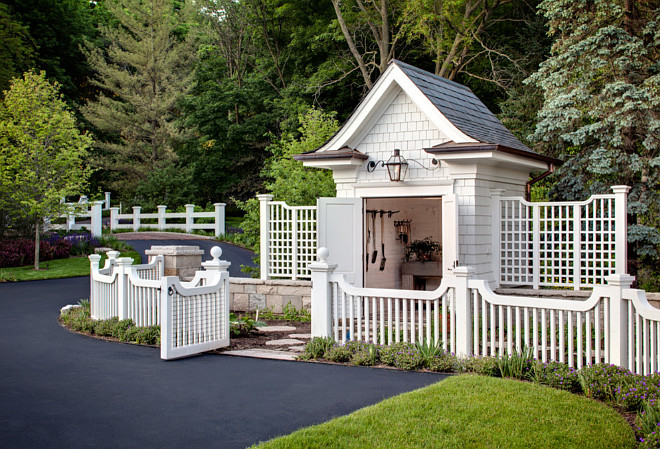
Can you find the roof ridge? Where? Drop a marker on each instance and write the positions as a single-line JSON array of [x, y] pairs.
[[433, 75]]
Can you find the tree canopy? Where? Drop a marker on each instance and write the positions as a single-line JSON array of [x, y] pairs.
[[42, 152]]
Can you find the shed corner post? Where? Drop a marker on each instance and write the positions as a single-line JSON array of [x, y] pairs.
[[264, 220], [619, 320], [496, 233], [463, 311], [321, 294], [219, 219], [621, 228]]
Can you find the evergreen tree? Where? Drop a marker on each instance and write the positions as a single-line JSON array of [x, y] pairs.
[[41, 151], [601, 108], [143, 73]]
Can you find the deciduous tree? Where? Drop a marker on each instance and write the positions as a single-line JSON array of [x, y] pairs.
[[42, 151]]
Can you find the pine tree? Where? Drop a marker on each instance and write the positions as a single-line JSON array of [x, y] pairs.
[[143, 73], [601, 109]]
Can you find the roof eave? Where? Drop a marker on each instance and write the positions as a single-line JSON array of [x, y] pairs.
[[448, 150]]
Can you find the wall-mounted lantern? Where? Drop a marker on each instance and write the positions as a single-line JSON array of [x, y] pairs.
[[397, 166]]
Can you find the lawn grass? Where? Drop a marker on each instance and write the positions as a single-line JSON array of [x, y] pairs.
[[57, 269], [472, 411]]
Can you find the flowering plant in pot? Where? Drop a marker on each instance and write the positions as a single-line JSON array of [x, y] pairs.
[[424, 249]]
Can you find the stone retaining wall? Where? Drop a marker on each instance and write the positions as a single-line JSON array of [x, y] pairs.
[[249, 294]]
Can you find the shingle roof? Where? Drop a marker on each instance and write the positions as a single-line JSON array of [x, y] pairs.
[[462, 108]]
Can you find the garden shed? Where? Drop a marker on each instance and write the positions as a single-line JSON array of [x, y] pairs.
[[420, 160]]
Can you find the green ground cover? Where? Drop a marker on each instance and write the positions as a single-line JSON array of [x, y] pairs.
[[472, 411], [58, 268]]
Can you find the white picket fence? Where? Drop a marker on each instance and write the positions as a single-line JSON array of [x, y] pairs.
[[194, 316], [288, 239], [615, 325], [135, 220], [560, 244]]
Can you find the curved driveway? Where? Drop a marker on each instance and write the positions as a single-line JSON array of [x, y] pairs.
[[63, 390]]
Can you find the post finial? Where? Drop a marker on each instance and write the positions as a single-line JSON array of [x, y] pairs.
[[323, 254]]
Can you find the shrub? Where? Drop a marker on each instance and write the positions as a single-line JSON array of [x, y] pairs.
[[487, 366], [388, 353], [366, 355], [105, 328], [407, 360], [556, 375], [339, 353], [601, 381], [443, 363], [636, 391], [316, 348], [290, 313]]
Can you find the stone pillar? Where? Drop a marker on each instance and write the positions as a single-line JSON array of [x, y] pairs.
[[181, 261]]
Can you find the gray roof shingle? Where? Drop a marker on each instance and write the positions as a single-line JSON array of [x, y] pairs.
[[462, 108]]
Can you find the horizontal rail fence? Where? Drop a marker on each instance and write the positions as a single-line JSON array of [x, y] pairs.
[[159, 220], [616, 324], [392, 316], [91, 211], [561, 244], [288, 239], [194, 316]]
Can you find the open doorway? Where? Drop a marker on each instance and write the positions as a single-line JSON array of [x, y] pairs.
[[393, 225]]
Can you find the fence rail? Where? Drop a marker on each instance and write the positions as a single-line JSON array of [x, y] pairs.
[[616, 324], [560, 244], [194, 316], [137, 218]]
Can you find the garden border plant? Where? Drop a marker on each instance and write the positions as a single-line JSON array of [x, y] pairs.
[[615, 386]]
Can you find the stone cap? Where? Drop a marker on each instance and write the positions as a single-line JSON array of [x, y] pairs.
[[174, 250]]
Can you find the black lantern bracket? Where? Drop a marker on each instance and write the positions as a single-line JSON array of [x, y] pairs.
[[397, 166]]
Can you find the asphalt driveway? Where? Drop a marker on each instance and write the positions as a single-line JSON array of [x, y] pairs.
[[63, 390]]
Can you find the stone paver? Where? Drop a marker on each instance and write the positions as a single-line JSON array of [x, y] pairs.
[[297, 348], [262, 354], [284, 342], [300, 335], [277, 329]]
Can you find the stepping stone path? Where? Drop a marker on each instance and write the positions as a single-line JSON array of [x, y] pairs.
[[276, 329], [290, 347]]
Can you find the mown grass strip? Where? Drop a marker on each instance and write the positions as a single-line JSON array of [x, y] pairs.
[[57, 269], [472, 411]]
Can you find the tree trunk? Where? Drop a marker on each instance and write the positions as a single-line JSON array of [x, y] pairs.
[[36, 244]]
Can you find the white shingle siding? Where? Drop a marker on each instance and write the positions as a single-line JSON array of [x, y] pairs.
[[402, 126]]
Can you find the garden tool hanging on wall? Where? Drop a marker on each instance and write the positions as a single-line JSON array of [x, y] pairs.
[[382, 241], [374, 254], [366, 250]]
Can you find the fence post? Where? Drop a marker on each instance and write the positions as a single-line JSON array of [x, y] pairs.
[[264, 222], [114, 219], [97, 218], [536, 246], [161, 217], [577, 246], [463, 309], [136, 217], [123, 265], [294, 244], [496, 233], [219, 219], [71, 219], [190, 208], [621, 228], [618, 349], [106, 203], [166, 316], [321, 294], [94, 260]]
